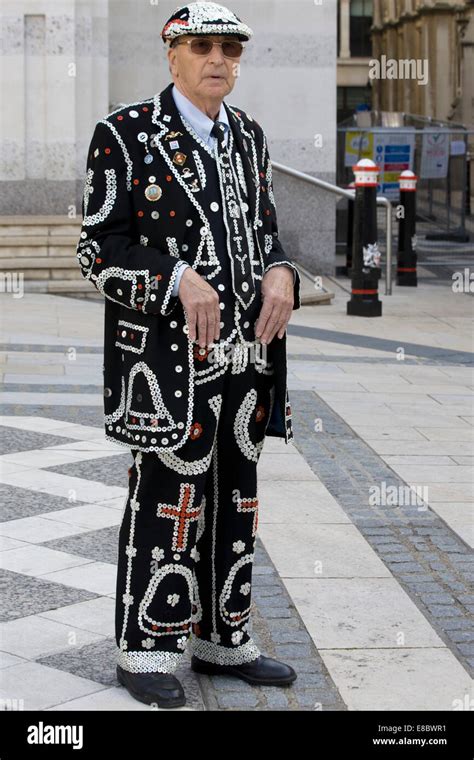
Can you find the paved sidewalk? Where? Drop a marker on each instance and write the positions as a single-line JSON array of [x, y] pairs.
[[364, 565]]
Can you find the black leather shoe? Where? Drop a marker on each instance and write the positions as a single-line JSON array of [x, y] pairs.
[[162, 689], [264, 671]]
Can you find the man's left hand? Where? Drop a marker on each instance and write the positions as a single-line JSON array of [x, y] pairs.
[[277, 294]]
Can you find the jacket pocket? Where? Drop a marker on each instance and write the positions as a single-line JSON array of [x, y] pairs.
[[131, 337]]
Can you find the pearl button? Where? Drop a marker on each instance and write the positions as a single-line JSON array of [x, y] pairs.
[[133, 114], [107, 392], [178, 394], [245, 286], [119, 292], [152, 297], [203, 231], [214, 206], [173, 323], [184, 247], [151, 179], [221, 286], [164, 440], [222, 306], [155, 214], [178, 368], [124, 333], [246, 324], [189, 222], [174, 346]]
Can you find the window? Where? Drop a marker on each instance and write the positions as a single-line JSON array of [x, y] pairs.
[[350, 97], [360, 23]]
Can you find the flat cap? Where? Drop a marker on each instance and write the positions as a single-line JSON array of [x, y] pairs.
[[204, 18]]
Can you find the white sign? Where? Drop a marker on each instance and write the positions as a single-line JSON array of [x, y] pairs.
[[434, 155]]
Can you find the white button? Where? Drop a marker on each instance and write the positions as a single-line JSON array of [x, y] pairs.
[[174, 346], [152, 297], [151, 179], [178, 394], [185, 329], [189, 222], [245, 286], [246, 324], [214, 206], [184, 247], [173, 323], [245, 206], [221, 286], [155, 214], [133, 114], [203, 231], [178, 368], [222, 306], [84, 259], [142, 136], [83, 234], [221, 324], [164, 440], [180, 424], [107, 392], [119, 292], [124, 333]]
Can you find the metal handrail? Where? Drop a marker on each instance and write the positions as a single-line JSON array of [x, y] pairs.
[[381, 201]]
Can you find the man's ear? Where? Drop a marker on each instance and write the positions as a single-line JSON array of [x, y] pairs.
[[171, 58]]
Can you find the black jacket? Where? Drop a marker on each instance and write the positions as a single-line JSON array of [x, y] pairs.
[[132, 259]]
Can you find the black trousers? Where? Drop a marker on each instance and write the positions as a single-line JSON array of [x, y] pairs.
[[187, 536]]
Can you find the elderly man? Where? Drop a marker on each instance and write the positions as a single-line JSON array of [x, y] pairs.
[[180, 236]]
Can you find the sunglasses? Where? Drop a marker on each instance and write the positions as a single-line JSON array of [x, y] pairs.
[[203, 46]]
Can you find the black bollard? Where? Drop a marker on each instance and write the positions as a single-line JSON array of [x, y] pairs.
[[406, 265], [365, 271]]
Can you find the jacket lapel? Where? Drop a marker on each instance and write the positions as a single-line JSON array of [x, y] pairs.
[[245, 145]]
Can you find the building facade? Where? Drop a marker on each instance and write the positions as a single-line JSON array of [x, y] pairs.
[[67, 63]]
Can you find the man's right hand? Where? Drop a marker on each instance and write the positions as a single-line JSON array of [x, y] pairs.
[[201, 303]]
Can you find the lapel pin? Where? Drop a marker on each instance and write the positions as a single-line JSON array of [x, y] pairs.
[[153, 192], [179, 158]]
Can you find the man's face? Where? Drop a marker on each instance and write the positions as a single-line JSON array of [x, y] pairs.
[[204, 76]]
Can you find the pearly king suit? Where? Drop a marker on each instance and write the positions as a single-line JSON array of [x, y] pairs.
[[195, 419]]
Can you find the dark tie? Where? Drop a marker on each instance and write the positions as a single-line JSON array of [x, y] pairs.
[[242, 279]]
